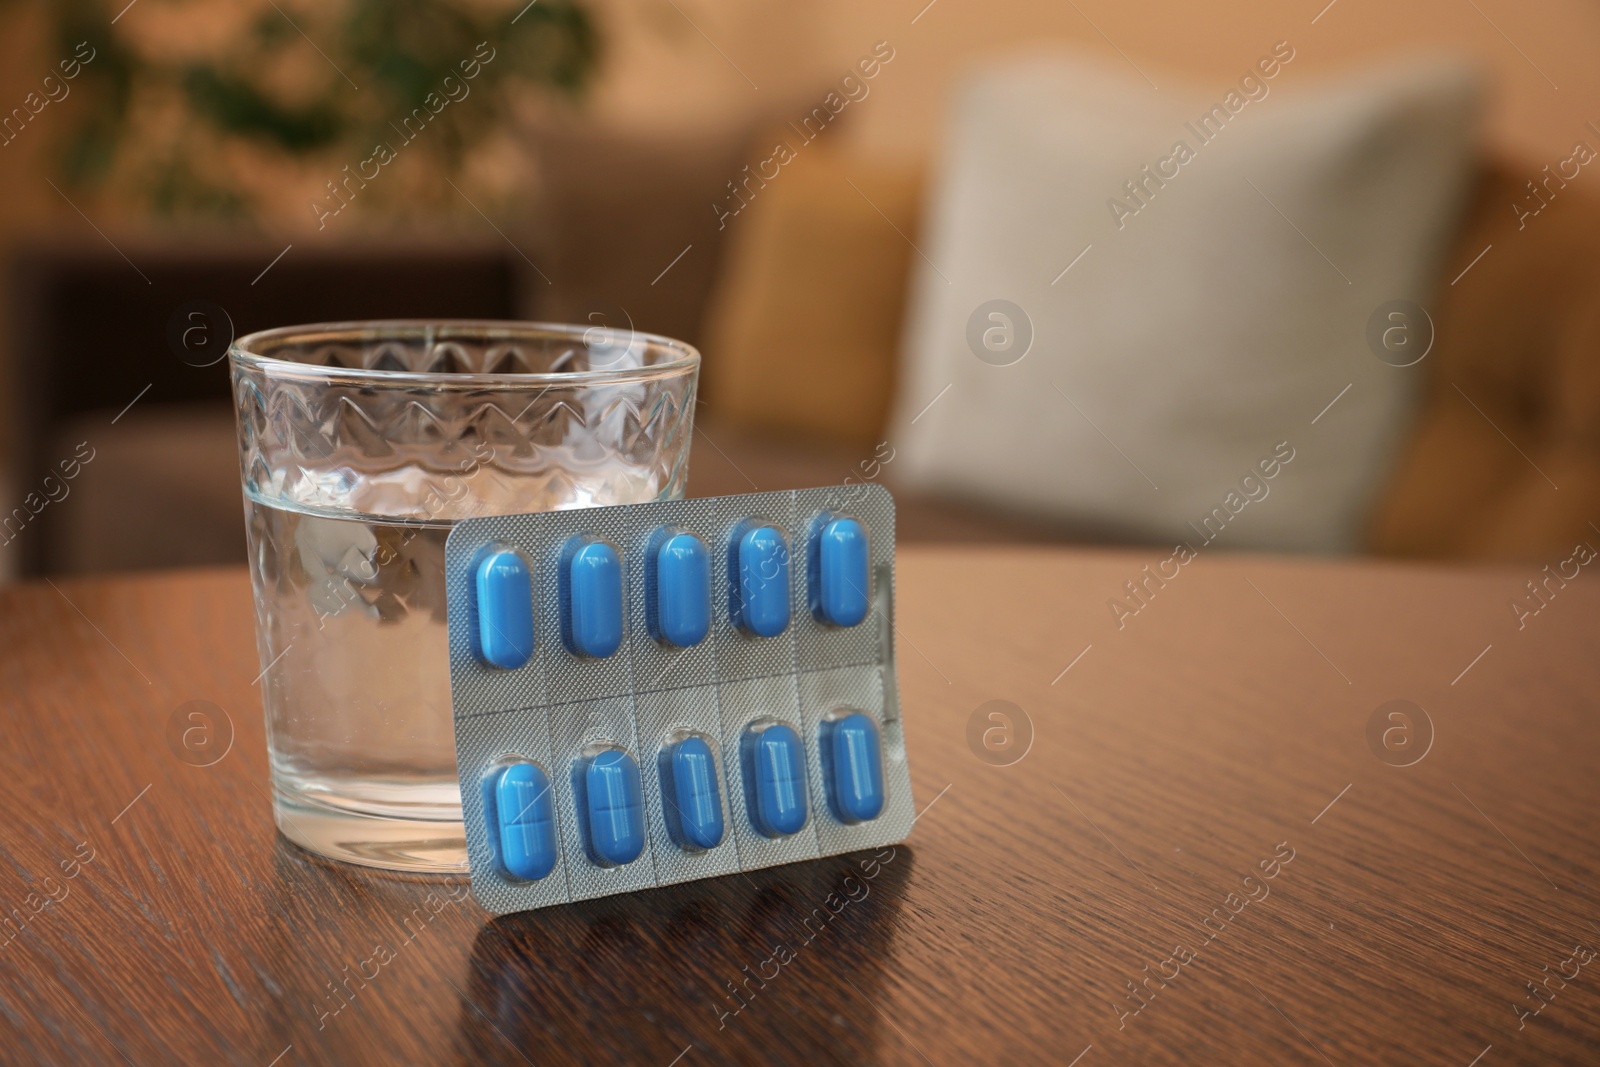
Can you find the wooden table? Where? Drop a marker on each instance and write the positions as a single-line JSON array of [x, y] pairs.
[[1071, 907]]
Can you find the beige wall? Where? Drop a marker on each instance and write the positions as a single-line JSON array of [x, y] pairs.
[[665, 70], [668, 74], [690, 64], [23, 62]]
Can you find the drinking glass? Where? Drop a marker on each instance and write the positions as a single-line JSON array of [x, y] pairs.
[[361, 445]]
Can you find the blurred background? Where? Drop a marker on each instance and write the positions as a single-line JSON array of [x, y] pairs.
[[951, 247]]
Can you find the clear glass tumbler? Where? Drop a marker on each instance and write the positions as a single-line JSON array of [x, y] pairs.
[[361, 445]]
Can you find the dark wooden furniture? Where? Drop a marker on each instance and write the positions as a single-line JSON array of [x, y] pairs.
[[100, 361], [94, 333], [154, 916]]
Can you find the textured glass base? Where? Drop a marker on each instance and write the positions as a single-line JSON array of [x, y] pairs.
[[426, 846]]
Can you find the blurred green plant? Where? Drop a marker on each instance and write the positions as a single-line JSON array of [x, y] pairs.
[[283, 80]]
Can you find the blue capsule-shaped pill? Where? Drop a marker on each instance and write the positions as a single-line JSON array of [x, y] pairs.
[[614, 803], [678, 607], [839, 582], [591, 599], [503, 601], [694, 807], [775, 760], [522, 818], [761, 564], [855, 768]]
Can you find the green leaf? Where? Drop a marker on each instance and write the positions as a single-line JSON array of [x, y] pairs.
[[236, 106]]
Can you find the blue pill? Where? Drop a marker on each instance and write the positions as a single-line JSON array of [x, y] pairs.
[[763, 587], [681, 609], [841, 578], [503, 599], [778, 762], [523, 816], [615, 802], [697, 803], [592, 600], [855, 786]]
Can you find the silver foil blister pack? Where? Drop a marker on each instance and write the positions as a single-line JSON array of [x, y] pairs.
[[588, 723]]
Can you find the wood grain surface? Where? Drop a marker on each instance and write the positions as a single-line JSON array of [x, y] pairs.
[[1184, 848]]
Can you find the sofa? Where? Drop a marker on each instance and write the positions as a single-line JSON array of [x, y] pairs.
[[800, 306]]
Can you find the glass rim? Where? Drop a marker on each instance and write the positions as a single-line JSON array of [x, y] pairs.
[[685, 357]]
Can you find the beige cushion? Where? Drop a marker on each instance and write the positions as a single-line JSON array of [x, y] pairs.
[[1206, 325], [806, 316]]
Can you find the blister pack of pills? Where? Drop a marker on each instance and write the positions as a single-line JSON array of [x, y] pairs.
[[652, 693]]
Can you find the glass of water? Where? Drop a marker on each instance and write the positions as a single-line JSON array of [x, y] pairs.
[[361, 445]]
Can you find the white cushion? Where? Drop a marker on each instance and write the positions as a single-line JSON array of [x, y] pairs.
[[1198, 332]]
